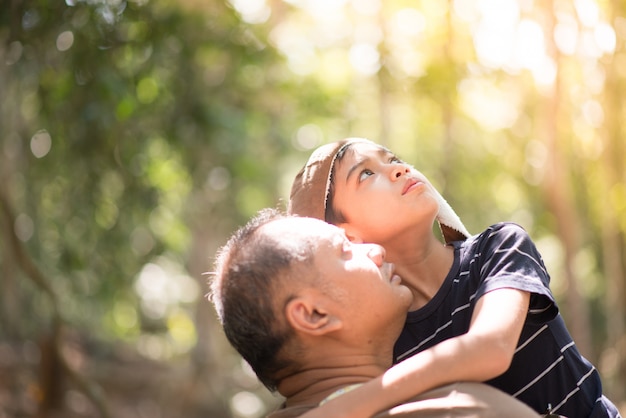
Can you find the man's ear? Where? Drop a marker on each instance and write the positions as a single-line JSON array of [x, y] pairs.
[[306, 315], [352, 233]]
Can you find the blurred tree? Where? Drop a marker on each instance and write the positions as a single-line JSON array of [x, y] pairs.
[[136, 135], [133, 135]]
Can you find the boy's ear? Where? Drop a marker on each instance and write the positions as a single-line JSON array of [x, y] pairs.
[[352, 233], [307, 315]]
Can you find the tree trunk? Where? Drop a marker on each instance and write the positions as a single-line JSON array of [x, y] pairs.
[[559, 199], [613, 248]]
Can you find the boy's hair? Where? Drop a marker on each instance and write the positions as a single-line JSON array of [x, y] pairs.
[[331, 214], [249, 270]]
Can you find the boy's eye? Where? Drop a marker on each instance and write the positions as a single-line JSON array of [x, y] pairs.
[[365, 174], [395, 160]]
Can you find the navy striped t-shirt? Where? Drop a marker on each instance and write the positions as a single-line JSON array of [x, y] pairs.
[[547, 370]]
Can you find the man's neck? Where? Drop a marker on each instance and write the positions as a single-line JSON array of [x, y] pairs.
[[311, 386]]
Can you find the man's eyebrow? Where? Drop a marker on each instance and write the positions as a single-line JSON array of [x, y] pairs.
[[338, 241], [382, 152]]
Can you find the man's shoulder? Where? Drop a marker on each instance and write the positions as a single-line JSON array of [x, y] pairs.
[[290, 411], [462, 399]]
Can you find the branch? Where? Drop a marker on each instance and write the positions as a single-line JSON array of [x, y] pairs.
[[91, 390]]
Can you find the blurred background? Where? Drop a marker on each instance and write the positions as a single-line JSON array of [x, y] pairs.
[[136, 135]]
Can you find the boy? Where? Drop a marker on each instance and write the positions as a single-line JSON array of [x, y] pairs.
[[482, 308], [316, 315]]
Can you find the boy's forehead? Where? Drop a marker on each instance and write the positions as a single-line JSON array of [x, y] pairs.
[[357, 155], [363, 150], [368, 147]]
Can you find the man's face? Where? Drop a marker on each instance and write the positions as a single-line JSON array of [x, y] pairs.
[[357, 281], [380, 195]]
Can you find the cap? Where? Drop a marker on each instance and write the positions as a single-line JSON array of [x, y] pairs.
[[309, 191]]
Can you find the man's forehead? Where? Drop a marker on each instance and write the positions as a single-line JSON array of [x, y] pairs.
[[299, 227]]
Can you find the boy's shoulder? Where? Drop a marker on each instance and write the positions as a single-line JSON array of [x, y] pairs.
[[504, 230], [501, 234]]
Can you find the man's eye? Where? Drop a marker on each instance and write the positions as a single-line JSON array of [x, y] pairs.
[[365, 174], [347, 248]]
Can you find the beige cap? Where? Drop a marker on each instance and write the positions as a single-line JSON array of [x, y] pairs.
[[309, 191]]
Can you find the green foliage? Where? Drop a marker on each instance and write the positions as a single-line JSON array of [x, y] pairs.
[[118, 115], [136, 135]]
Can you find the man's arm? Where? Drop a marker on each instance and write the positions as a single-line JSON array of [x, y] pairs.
[[483, 353]]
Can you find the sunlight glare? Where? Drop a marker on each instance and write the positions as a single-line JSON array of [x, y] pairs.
[[594, 78], [411, 62], [365, 58], [326, 9], [588, 48], [536, 154], [252, 11], [302, 61], [566, 35], [493, 107], [161, 286], [246, 404], [588, 12], [333, 70], [309, 136], [593, 113], [466, 10], [545, 72], [495, 33], [368, 33], [289, 38], [605, 37], [366, 7], [530, 45], [409, 22]]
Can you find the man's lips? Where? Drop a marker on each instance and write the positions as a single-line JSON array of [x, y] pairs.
[[396, 279], [410, 185], [390, 272]]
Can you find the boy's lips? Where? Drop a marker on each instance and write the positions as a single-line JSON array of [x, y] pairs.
[[410, 184]]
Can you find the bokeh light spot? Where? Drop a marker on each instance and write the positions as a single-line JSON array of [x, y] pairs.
[[246, 404], [65, 40], [40, 144]]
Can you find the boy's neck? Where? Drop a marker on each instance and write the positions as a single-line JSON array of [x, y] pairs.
[[423, 269]]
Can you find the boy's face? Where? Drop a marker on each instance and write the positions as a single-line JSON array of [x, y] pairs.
[[379, 195], [354, 278]]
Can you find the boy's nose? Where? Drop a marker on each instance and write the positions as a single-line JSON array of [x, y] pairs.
[[398, 170]]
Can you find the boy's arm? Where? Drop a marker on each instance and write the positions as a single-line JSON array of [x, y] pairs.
[[484, 352]]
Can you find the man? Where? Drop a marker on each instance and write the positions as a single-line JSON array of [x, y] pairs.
[[316, 315]]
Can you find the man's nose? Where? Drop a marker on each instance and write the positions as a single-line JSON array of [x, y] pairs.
[[376, 253]]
